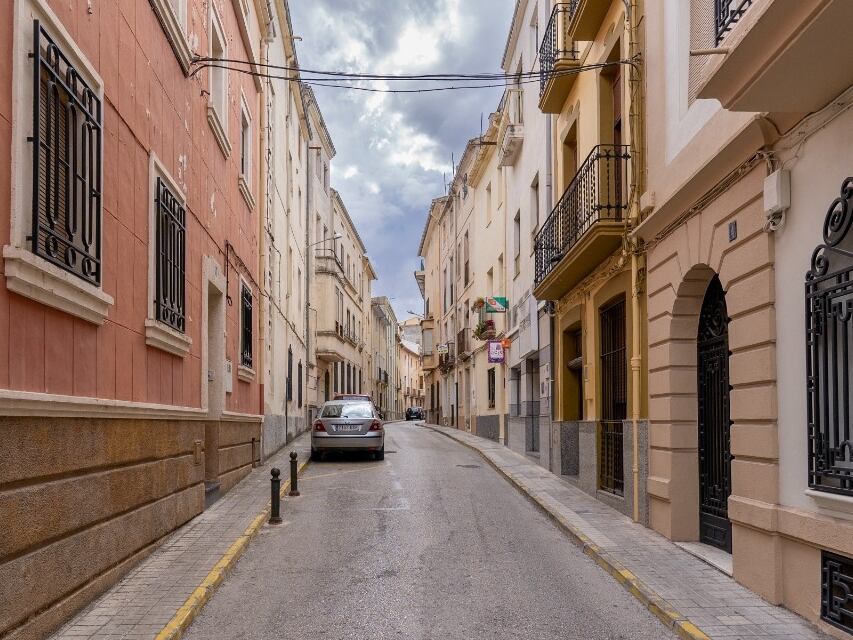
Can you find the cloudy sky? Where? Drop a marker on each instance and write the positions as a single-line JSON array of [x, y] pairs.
[[393, 149]]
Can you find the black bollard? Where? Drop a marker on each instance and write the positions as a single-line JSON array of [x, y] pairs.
[[275, 497], [294, 488]]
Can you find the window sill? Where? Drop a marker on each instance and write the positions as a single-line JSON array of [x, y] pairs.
[[213, 119], [246, 374], [33, 277], [163, 337], [174, 32], [245, 192], [833, 501]]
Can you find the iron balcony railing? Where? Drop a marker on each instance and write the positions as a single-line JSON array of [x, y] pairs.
[[727, 13], [556, 44], [597, 192]]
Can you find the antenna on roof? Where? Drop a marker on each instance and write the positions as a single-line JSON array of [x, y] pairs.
[[444, 180], [481, 126], [453, 162]]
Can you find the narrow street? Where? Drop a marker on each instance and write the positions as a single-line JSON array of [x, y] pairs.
[[429, 543]]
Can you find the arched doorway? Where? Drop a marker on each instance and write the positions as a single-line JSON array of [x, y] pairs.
[[715, 460]]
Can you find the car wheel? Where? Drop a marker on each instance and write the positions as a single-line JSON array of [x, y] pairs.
[[316, 456], [380, 455]]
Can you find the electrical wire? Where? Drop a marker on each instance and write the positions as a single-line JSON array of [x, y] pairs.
[[509, 80]]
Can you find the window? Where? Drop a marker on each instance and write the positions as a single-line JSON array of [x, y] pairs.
[[490, 383], [246, 325], [534, 29], [829, 332], [299, 384], [66, 214], [172, 15], [245, 179], [488, 203], [170, 253], [534, 213], [289, 380], [836, 577], [516, 242], [217, 110], [467, 264], [165, 324]]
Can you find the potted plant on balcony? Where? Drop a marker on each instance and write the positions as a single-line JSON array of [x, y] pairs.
[[485, 330], [478, 304]]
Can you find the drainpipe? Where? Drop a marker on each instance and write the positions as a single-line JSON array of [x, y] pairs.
[[263, 211], [636, 258], [306, 335], [549, 203]]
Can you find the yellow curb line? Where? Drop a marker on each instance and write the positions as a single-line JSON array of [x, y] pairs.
[[203, 592], [656, 604]]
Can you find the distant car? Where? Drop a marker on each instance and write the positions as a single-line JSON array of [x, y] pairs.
[[348, 425], [414, 413]]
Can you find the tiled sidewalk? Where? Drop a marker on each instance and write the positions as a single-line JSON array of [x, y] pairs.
[[143, 603], [697, 600]]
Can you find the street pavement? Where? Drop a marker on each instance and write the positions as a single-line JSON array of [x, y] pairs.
[[430, 543]]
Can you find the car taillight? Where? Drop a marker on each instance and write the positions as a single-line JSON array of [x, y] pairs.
[[376, 426], [319, 426]]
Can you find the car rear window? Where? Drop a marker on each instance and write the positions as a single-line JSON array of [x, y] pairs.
[[348, 410]]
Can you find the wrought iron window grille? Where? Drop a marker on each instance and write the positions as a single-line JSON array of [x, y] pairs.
[[836, 593], [246, 326], [727, 13], [170, 294], [829, 351], [556, 44], [596, 193], [67, 162]]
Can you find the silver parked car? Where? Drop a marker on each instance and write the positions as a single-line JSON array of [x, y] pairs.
[[348, 425]]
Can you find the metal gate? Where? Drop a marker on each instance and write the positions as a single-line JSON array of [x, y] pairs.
[[715, 460], [614, 399]]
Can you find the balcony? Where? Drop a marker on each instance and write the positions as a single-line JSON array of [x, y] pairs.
[[464, 344], [587, 224], [420, 278], [558, 59], [587, 19], [778, 56], [330, 344], [429, 361], [511, 135]]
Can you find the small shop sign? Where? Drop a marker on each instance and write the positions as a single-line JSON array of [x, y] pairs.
[[496, 352], [496, 305], [441, 349]]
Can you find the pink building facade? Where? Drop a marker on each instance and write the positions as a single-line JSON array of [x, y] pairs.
[[129, 297]]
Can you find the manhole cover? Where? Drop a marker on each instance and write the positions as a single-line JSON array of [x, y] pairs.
[[469, 466]]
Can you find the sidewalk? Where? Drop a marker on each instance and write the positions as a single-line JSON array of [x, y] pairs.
[[162, 596], [696, 600]]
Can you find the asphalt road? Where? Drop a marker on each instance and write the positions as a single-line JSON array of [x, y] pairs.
[[430, 543]]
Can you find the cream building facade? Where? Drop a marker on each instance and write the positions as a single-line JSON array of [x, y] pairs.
[[747, 217], [527, 166], [384, 338], [283, 252], [342, 290]]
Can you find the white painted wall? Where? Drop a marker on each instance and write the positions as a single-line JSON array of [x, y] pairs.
[[822, 164]]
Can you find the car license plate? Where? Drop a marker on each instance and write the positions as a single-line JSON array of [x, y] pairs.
[[348, 427]]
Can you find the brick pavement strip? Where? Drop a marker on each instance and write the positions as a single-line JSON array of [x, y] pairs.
[[695, 600], [162, 596]]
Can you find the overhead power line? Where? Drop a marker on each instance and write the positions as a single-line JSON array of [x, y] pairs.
[[335, 79]]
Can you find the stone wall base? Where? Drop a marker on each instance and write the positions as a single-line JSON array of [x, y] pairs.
[[89, 497], [489, 427]]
